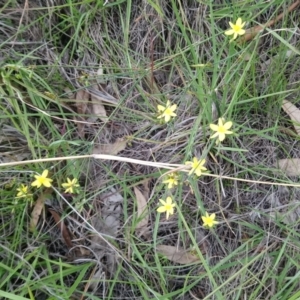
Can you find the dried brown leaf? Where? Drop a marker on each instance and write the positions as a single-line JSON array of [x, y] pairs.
[[177, 255], [38, 207], [82, 99], [103, 96], [95, 279], [292, 214], [98, 107], [112, 149], [109, 221], [142, 209], [11, 157], [290, 166], [107, 225], [293, 112], [69, 94], [146, 192], [287, 214], [62, 227]]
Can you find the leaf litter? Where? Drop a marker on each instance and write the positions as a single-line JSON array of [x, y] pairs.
[[89, 105], [285, 207], [294, 114], [142, 212], [38, 207], [62, 226], [291, 166], [107, 223], [112, 149], [161, 155], [177, 254]]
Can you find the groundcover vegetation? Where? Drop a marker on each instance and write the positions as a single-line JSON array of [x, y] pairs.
[[149, 149]]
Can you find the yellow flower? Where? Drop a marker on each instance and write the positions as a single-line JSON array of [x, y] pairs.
[[70, 185], [236, 29], [42, 180], [221, 129], [196, 166], [167, 111], [209, 220], [22, 191], [172, 180], [167, 207]]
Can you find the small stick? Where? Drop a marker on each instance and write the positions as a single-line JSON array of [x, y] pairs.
[[253, 31]]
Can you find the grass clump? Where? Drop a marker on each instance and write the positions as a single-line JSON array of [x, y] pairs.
[[140, 147]]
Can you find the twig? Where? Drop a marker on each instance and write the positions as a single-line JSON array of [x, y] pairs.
[[253, 31]]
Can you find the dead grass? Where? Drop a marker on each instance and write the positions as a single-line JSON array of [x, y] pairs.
[[147, 59]]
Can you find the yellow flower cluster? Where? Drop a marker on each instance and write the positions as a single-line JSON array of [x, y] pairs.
[[196, 167], [42, 180], [167, 112], [167, 206]]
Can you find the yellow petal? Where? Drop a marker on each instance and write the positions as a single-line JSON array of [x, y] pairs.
[[171, 211], [160, 108], [239, 22], [228, 125], [214, 135], [198, 172], [167, 215], [35, 183], [162, 201], [220, 122], [201, 163], [161, 209], [45, 173], [221, 137], [169, 200], [173, 107], [47, 183], [214, 127], [229, 32]]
